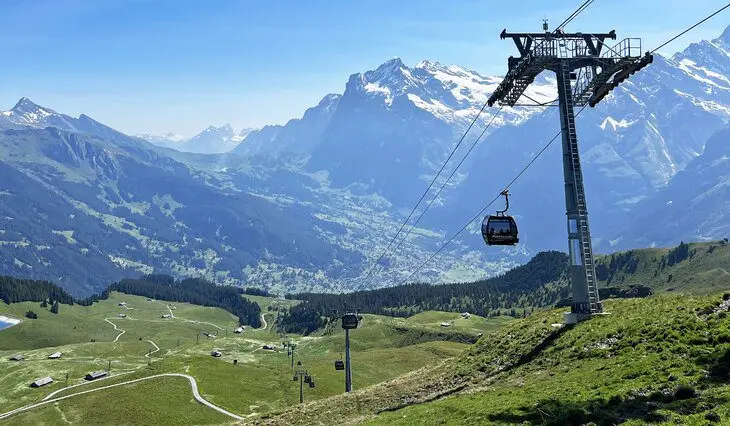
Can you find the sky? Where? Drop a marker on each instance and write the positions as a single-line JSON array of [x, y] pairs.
[[159, 66]]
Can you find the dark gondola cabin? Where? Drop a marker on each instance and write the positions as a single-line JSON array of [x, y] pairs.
[[350, 321], [500, 231], [339, 365]]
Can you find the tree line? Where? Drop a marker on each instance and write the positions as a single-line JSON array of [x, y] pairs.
[[196, 291], [162, 287], [540, 282], [15, 290]]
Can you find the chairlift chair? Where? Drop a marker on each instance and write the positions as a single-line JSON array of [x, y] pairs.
[[500, 229]]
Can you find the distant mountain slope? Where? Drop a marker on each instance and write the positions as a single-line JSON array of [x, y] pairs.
[[86, 211], [213, 140], [695, 205]]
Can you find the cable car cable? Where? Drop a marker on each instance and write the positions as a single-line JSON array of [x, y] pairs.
[[481, 212], [691, 28], [453, 172], [577, 12], [377, 262]]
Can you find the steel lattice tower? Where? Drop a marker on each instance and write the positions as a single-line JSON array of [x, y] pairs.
[[587, 70]]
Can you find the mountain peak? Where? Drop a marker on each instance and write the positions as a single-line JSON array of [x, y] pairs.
[[392, 63], [26, 105], [725, 36]]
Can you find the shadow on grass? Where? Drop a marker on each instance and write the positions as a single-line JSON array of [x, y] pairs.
[[613, 411], [717, 365]]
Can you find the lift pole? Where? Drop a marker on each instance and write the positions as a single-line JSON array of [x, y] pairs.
[[303, 377], [350, 321], [580, 57], [348, 371]]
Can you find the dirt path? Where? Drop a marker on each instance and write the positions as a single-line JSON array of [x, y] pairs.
[[54, 393], [157, 349], [193, 386], [117, 329]]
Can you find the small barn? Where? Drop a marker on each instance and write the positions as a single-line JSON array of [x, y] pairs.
[[238, 330], [122, 315], [122, 303], [55, 355], [465, 315], [216, 353], [166, 316], [269, 347], [17, 357], [41, 382], [445, 324], [96, 375]]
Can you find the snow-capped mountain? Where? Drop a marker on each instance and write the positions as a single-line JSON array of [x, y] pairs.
[[28, 115], [213, 140], [167, 140]]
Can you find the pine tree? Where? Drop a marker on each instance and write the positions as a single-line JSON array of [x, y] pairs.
[[54, 308], [44, 304]]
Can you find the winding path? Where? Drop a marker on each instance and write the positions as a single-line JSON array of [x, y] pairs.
[[115, 328], [191, 379], [172, 315], [157, 349], [263, 321]]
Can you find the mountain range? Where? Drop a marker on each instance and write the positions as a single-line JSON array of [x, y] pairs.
[[309, 205], [212, 140]]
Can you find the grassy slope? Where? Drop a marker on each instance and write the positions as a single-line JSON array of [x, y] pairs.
[[707, 272], [163, 399], [626, 366], [383, 349]]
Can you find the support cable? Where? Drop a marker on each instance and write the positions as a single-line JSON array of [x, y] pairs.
[[453, 172], [413, 210]]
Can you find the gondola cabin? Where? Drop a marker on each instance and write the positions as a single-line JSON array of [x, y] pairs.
[[350, 321], [499, 230], [339, 365]]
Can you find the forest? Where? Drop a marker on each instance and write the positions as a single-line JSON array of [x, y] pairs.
[[14, 290], [190, 290], [540, 282]]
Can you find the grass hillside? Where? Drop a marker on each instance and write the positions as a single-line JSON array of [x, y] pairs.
[[384, 348], [661, 359], [696, 268]]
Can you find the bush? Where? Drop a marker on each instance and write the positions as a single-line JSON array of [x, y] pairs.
[[31, 315], [712, 416], [685, 392]]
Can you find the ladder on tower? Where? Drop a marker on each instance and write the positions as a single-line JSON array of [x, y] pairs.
[[583, 230]]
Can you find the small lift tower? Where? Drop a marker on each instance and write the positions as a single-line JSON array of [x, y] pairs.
[[587, 70]]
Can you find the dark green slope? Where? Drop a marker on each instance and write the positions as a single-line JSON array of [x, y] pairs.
[[84, 211]]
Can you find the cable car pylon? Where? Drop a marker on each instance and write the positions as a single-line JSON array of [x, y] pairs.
[[596, 69]]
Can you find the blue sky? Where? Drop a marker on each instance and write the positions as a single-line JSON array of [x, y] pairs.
[[179, 65]]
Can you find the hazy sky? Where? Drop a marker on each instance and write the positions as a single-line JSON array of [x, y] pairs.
[[180, 65]]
